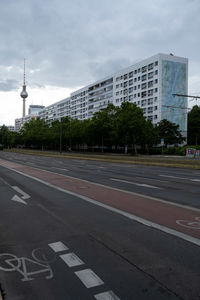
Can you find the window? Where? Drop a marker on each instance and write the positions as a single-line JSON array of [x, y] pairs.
[[135, 72], [150, 92], [125, 83], [125, 76], [138, 94], [130, 90], [156, 63], [130, 98], [156, 90], [155, 99], [155, 107], [155, 117], [143, 102], [138, 78], [144, 94], [131, 82], [135, 88], [138, 86], [144, 69], [150, 101], [130, 74], [156, 72], [138, 70], [156, 81], [135, 79], [144, 77], [150, 75], [117, 86], [117, 93], [144, 85], [150, 83], [150, 66]]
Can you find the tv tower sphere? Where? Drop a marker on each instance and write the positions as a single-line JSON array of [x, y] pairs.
[[24, 94]]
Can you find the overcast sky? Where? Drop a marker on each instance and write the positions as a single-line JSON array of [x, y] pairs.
[[71, 43]]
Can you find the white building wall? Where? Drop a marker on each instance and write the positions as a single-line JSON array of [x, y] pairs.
[[140, 83]]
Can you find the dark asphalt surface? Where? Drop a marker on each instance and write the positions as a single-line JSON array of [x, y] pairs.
[[133, 261]]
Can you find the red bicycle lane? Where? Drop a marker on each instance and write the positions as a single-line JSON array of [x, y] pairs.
[[181, 219]]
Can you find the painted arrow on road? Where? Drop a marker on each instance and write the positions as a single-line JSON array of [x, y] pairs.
[[18, 199], [24, 195]]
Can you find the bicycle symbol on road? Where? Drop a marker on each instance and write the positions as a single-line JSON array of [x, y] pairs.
[[27, 267], [190, 224]]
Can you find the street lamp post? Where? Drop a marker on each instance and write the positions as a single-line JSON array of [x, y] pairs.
[[60, 135]]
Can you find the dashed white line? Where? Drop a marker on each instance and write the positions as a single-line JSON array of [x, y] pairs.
[[138, 184], [58, 247], [176, 177], [182, 178], [60, 169], [89, 278], [72, 260], [106, 296]]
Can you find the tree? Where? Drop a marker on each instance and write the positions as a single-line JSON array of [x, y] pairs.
[[130, 123], [102, 126], [34, 133], [194, 126], [169, 132]]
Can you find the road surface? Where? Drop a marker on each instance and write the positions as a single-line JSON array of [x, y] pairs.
[[76, 229]]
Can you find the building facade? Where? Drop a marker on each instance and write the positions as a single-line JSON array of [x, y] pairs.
[[150, 84]]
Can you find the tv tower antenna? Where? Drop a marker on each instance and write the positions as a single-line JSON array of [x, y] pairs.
[[24, 93]]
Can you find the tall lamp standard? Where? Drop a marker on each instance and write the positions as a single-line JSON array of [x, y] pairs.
[[60, 135]]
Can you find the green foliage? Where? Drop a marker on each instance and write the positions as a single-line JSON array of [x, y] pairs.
[[170, 132], [194, 126], [114, 127]]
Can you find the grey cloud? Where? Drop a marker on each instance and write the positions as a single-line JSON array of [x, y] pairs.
[[73, 43], [9, 85]]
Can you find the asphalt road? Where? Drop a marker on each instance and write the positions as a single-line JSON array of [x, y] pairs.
[[56, 245]]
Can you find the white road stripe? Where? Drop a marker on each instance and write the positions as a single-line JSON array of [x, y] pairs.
[[60, 169], [72, 260], [136, 183], [176, 177], [24, 195], [183, 178], [152, 179], [106, 296], [58, 247], [89, 278]]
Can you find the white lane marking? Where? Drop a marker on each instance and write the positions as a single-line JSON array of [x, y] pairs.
[[72, 260], [58, 246], [106, 296], [60, 169], [89, 278], [152, 179], [130, 216], [176, 177], [18, 199], [183, 178], [138, 184], [24, 195]]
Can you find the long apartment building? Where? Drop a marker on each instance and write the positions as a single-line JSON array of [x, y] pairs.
[[150, 84]]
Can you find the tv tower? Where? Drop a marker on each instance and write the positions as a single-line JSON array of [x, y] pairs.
[[24, 93]]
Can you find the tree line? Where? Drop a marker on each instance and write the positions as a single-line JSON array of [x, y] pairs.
[[113, 129]]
